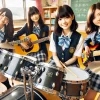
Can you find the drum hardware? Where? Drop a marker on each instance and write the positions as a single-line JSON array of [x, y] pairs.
[[31, 75], [5, 68], [75, 87], [47, 79], [53, 85]]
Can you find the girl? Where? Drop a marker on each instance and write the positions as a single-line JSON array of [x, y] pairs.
[[6, 34], [35, 25], [66, 43], [93, 31]]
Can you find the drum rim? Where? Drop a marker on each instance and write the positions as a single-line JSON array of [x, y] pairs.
[[79, 81], [52, 66], [4, 51], [46, 89], [17, 55]]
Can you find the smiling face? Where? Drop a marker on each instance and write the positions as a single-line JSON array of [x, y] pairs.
[[96, 19], [35, 18], [65, 22], [3, 19]]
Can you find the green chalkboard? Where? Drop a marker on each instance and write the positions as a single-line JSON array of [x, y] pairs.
[[81, 7]]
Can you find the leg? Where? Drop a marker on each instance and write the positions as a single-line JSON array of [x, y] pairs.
[[4, 80], [90, 95]]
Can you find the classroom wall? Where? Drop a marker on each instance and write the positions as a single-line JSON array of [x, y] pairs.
[[81, 25]]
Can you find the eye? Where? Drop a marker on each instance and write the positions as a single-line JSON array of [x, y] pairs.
[[59, 19]]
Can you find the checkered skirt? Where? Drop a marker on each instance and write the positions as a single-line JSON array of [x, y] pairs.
[[40, 56], [94, 80]]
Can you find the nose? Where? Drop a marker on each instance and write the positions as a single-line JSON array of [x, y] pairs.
[[63, 20]]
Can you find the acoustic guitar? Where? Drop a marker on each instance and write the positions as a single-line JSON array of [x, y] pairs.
[[34, 46], [86, 59]]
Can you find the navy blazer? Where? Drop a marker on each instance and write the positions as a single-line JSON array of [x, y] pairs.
[[43, 33]]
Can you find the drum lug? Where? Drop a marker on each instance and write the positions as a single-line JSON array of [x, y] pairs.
[[5, 68], [57, 73], [62, 88], [39, 80], [43, 69], [21, 61], [81, 93], [10, 57], [82, 87], [53, 85]]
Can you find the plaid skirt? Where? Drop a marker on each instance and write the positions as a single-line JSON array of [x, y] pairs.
[[40, 56], [94, 80]]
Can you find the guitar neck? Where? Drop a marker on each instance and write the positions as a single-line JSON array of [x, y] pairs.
[[40, 40], [18, 41]]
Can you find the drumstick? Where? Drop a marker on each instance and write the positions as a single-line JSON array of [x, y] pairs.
[[68, 69]]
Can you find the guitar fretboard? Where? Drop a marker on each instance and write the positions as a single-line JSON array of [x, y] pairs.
[[19, 41]]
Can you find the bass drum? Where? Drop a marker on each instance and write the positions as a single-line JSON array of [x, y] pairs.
[[17, 93]]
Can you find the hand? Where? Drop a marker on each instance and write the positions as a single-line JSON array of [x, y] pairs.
[[24, 46], [87, 50]]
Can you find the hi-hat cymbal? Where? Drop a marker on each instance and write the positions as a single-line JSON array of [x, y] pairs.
[[6, 46]]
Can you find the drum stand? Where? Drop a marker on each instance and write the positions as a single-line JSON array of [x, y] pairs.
[[29, 73]]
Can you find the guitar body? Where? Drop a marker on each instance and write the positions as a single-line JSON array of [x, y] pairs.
[[34, 48], [85, 58]]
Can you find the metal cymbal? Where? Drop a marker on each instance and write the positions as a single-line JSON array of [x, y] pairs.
[[6, 46]]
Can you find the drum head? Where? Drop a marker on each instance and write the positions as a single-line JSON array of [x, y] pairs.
[[95, 67], [81, 74]]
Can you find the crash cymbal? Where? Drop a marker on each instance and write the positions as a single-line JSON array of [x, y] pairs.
[[6, 46]]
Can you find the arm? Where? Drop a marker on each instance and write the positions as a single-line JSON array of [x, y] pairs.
[[56, 59], [46, 33], [20, 32], [77, 53], [70, 61], [52, 48]]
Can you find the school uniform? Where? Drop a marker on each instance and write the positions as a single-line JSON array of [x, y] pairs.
[[64, 54], [94, 78], [42, 54]]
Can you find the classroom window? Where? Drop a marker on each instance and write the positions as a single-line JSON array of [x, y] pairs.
[[19, 8], [0, 3]]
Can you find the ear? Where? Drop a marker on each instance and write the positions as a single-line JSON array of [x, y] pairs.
[[72, 17]]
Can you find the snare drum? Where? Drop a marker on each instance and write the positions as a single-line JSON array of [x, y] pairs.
[[14, 67], [50, 78], [5, 57], [72, 86]]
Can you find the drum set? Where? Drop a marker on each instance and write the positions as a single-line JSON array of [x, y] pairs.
[[47, 78]]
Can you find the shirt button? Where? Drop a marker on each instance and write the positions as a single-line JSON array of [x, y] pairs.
[[62, 53], [62, 58]]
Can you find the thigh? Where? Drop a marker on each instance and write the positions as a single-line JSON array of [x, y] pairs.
[[2, 77]]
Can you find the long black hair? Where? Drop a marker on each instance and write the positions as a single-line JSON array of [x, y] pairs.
[[9, 28], [64, 11], [91, 27], [33, 10]]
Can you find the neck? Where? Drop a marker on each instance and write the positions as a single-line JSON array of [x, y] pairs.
[[66, 31], [36, 23]]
